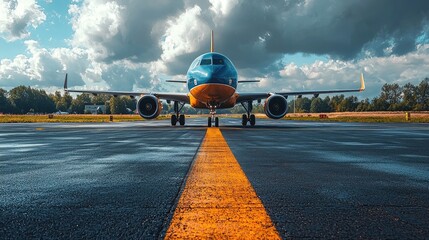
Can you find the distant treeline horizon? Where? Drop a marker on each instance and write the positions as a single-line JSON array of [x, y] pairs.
[[393, 97]]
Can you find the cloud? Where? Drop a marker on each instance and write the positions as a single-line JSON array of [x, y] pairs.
[[251, 33], [222, 8], [135, 44], [254, 34], [43, 67], [17, 16], [128, 29], [340, 74]]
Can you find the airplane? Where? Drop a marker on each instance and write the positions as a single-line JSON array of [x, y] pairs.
[[212, 81]]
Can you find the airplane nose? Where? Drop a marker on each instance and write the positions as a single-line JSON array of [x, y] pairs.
[[214, 72]]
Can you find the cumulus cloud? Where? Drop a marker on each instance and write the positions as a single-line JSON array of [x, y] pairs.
[[117, 30], [254, 34], [222, 8], [345, 29], [17, 16], [42, 67], [338, 74], [134, 44]]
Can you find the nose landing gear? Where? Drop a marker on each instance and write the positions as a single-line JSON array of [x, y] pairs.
[[213, 118], [248, 117]]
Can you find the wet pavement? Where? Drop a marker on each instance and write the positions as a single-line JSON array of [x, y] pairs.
[[123, 180], [339, 180], [72, 181]]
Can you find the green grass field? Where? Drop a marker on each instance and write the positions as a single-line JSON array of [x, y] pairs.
[[381, 117], [362, 119], [76, 118]]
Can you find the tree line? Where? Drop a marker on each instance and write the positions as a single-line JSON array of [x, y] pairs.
[[393, 97], [24, 100]]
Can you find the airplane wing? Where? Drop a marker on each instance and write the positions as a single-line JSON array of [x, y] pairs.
[[248, 81], [177, 81], [244, 97], [180, 97]]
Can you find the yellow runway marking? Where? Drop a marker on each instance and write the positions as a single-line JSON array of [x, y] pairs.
[[218, 200]]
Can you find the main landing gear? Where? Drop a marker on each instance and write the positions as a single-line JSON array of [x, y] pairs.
[[248, 117], [213, 118], [178, 117]]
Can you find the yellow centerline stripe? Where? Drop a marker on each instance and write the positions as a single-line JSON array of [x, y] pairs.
[[218, 200]]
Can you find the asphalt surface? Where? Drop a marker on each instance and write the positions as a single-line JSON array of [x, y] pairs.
[[123, 180]]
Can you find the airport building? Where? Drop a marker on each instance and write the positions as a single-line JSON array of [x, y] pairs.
[[95, 109]]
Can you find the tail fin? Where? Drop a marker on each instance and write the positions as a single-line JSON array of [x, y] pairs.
[[211, 42]]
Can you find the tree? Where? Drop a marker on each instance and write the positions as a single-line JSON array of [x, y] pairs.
[[43, 103], [5, 106], [303, 105], [62, 103], [325, 104], [130, 103], [422, 96], [25, 98], [66, 101], [379, 104], [348, 104], [117, 105], [316, 105], [21, 99], [335, 103], [363, 106], [392, 94], [409, 97], [100, 99], [78, 104]]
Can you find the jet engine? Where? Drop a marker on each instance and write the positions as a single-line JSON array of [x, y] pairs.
[[149, 107], [275, 106]]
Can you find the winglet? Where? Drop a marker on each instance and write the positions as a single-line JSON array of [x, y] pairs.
[[211, 42], [362, 83], [65, 83]]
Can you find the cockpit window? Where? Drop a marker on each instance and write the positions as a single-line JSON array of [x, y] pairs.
[[218, 61], [207, 61]]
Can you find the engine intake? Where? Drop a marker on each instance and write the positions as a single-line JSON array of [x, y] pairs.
[[275, 106], [149, 107]]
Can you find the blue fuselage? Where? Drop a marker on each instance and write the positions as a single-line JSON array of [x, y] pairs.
[[212, 81]]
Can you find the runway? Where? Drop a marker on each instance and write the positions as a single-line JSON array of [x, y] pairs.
[[126, 180]]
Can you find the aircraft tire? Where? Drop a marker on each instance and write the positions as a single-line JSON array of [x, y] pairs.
[[252, 120], [216, 122], [182, 119], [173, 120], [209, 122], [244, 120]]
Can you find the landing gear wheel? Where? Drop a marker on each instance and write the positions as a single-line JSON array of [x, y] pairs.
[[252, 120], [173, 120], [216, 122], [244, 120], [209, 123], [182, 120]]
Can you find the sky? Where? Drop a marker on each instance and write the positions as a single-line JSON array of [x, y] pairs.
[[287, 44]]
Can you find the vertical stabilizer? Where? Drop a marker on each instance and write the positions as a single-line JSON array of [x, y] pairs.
[[211, 43]]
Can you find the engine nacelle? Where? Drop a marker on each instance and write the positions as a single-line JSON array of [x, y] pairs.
[[149, 107], [275, 106]]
